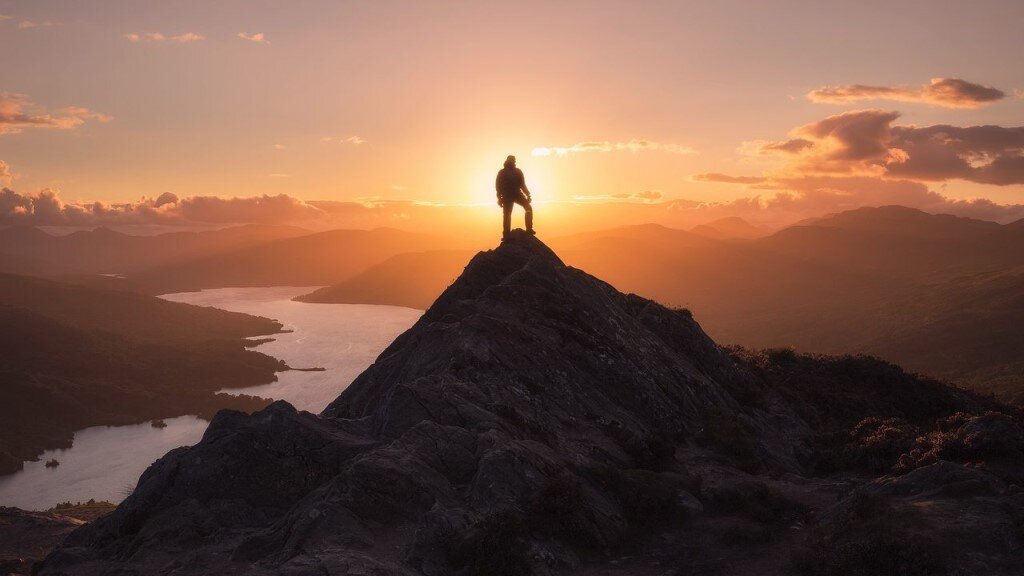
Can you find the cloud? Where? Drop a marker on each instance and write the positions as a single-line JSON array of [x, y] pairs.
[[5, 173], [183, 38], [4, 17], [647, 196], [187, 37], [792, 146], [279, 147], [18, 113], [791, 200], [983, 154], [257, 37], [165, 199], [606, 146], [354, 140], [796, 198], [29, 24], [46, 208], [867, 143], [263, 209], [945, 92], [727, 179]]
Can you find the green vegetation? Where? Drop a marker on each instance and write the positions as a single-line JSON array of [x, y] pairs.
[[87, 511]]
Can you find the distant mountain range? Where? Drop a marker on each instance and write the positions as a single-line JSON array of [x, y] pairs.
[[313, 259], [183, 261], [938, 294], [731, 227], [30, 250], [935, 293]]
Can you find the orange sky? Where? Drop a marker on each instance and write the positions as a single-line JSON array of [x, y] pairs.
[[800, 104]]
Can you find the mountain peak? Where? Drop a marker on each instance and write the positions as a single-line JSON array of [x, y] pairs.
[[519, 252], [519, 319], [521, 246], [908, 222], [533, 416]]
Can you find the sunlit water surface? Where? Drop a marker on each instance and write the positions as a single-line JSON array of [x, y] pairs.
[[105, 461]]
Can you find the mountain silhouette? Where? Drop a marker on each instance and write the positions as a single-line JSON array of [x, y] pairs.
[[536, 420], [931, 292], [730, 227], [29, 250], [412, 279], [306, 260]]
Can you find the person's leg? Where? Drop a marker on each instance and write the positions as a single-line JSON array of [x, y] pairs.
[[506, 217], [529, 215]]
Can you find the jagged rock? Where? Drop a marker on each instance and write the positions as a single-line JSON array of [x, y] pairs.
[[532, 420]]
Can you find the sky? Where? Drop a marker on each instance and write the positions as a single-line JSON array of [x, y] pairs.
[[287, 110]]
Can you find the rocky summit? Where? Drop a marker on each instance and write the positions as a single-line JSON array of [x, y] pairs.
[[537, 421]]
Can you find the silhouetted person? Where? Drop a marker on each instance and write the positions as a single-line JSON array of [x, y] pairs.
[[512, 190]]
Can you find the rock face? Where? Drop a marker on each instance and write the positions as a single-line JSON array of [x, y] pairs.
[[535, 420]]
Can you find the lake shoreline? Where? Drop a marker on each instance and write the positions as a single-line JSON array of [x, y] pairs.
[[319, 349]]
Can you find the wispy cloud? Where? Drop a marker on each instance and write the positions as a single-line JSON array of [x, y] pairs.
[[187, 37], [183, 38], [354, 140], [4, 17], [726, 178], [257, 37], [944, 92], [606, 146], [29, 24], [646, 197], [280, 147], [18, 113], [5, 173]]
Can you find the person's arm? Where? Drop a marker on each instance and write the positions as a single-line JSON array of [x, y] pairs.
[[497, 189], [522, 184]]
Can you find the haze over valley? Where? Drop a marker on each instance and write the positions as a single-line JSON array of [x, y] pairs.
[[587, 288]]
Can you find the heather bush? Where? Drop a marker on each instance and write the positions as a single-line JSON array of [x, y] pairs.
[[876, 444], [967, 438]]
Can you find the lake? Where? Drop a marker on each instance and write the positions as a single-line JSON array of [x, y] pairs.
[[105, 462]]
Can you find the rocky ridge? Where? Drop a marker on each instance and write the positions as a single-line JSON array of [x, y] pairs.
[[535, 420]]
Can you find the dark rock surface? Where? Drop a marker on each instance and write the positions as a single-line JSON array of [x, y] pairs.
[[535, 420], [25, 537]]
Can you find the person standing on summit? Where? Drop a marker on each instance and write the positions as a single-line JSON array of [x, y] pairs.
[[512, 190]]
